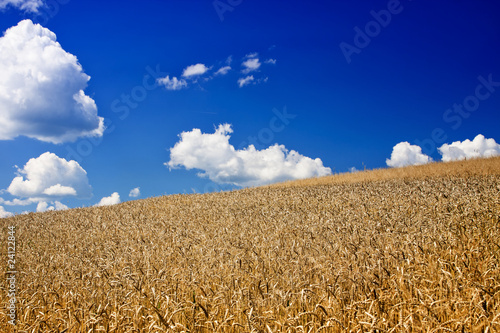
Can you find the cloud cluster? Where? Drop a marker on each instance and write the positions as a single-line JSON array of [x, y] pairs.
[[43, 206], [172, 83], [479, 147], [30, 6], [250, 64], [4, 213], [222, 163], [113, 199], [134, 193], [50, 177], [404, 154], [42, 88]]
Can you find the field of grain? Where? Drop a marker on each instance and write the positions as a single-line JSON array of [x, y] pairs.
[[402, 250]]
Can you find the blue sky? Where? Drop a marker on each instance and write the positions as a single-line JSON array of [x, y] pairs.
[[338, 81]]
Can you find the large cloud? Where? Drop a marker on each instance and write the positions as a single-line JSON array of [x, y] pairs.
[[113, 199], [42, 88], [26, 5], [222, 163], [50, 177], [479, 147], [404, 154]]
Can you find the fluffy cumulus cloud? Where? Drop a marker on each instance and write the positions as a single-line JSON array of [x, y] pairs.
[[404, 154], [42, 88], [113, 199], [4, 213], [135, 192], [250, 65], [172, 83], [222, 163], [479, 147], [195, 70], [50, 177], [31, 6], [44, 206]]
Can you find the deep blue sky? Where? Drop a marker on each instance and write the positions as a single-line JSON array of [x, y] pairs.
[[395, 89]]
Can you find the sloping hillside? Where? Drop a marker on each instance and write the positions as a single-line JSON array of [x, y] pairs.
[[414, 249]]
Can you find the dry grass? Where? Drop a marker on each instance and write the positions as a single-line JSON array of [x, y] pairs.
[[404, 250]]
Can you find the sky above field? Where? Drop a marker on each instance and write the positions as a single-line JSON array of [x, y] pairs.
[[102, 102]]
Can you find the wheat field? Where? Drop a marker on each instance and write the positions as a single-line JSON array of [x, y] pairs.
[[402, 250]]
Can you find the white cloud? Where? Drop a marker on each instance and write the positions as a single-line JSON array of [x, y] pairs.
[[479, 147], [353, 170], [198, 69], [223, 70], [113, 199], [172, 83], [250, 65], [245, 81], [134, 193], [270, 61], [404, 154], [31, 6], [42, 88], [4, 213], [49, 176], [43, 206], [252, 55], [222, 163], [59, 190], [17, 202]]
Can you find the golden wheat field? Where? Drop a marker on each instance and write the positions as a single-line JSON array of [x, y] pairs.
[[403, 250]]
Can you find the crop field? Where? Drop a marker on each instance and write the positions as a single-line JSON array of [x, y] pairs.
[[415, 249]]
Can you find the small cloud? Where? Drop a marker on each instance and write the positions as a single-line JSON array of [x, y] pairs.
[[252, 55], [134, 193], [229, 60], [404, 154], [4, 213], [193, 70], [353, 170], [172, 83], [29, 6], [113, 199], [250, 65], [479, 147], [223, 70], [245, 81], [270, 61]]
